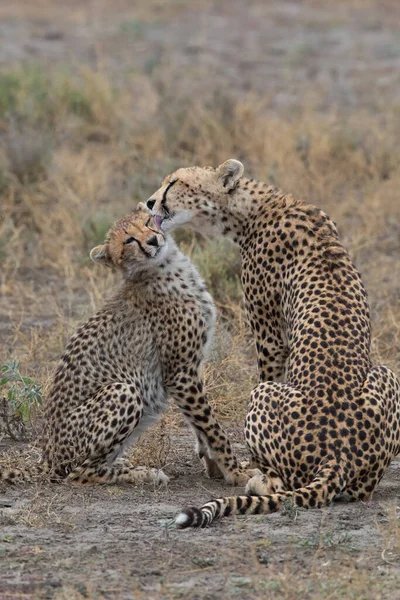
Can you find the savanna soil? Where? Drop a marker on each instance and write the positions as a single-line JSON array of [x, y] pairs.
[[114, 542], [307, 94]]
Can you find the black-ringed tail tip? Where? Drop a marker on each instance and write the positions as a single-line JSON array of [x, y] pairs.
[[192, 517], [215, 509], [223, 507]]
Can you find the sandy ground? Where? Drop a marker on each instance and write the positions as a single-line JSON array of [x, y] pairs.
[[112, 542]]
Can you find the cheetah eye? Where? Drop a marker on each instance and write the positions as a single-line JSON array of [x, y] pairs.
[[130, 240]]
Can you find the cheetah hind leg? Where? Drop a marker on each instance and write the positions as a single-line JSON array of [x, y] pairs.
[[101, 430], [381, 404], [119, 472]]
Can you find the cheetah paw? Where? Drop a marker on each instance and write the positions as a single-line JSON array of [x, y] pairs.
[[146, 475], [259, 485], [239, 478], [158, 477]]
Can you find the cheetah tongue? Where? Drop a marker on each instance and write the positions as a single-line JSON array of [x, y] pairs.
[[158, 221]]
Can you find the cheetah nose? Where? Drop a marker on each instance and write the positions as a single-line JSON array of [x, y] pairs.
[[153, 241], [150, 203]]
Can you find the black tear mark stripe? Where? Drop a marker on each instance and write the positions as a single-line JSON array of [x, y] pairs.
[[143, 250], [164, 198], [129, 240], [133, 239]]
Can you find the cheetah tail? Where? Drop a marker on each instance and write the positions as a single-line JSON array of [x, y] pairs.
[[315, 495]]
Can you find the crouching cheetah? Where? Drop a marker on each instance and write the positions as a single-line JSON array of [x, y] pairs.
[[147, 343], [324, 420]]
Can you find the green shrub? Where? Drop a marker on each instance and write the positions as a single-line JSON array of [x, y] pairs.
[[20, 396]]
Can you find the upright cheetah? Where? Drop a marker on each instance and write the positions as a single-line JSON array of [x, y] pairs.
[[324, 421], [147, 343]]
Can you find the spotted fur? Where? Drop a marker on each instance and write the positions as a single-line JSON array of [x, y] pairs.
[[323, 420], [145, 345]]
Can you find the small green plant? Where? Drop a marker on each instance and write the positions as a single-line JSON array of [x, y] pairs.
[[19, 395], [241, 582], [77, 102], [327, 539], [289, 508], [330, 539], [204, 561], [308, 542]]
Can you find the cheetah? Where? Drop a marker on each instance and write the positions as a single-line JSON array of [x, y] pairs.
[[323, 420], [146, 344]]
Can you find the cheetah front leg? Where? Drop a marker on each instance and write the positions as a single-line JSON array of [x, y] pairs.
[[213, 445], [203, 452]]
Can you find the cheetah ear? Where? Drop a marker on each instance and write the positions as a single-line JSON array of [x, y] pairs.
[[230, 172], [100, 255]]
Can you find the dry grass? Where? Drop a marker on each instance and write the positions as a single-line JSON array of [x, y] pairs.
[[276, 584], [60, 191]]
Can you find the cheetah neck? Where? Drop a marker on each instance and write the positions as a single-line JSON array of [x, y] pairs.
[[256, 210], [248, 207]]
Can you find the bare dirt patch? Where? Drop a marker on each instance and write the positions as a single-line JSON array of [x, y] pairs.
[[112, 542]]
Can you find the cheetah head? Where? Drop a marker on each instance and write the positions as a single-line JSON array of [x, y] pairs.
[[134, 243], [195, 195]]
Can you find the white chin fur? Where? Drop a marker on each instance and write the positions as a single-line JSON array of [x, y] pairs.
[[181, 519], [177, 220], [161, 254]]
